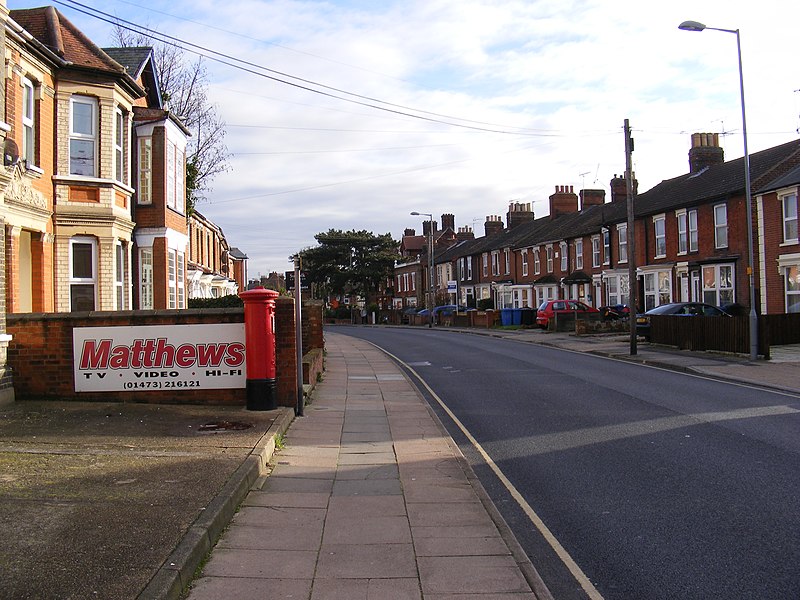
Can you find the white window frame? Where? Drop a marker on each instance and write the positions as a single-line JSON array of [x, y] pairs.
[[485, 260], [578, 254], [83, 281], [119, 146], [595, 251], [789, 209], [660, 236], [693, 235], [719, 286], [120, 275], [549, 258], [791, 275], [537, 262], [720, 226], [622, 243], [507, 260], [28, 122], [525, 263], [683, 231], [606, 233], [562, 248], [495, 262], [657, 289], [83, 137], [146, 290], [469, 267], [181, 280], [144, 191], [176, 179]]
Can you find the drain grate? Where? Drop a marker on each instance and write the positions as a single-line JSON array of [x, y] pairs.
[[224, 426]]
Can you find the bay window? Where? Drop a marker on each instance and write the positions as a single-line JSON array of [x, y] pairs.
[[718, 284], [82, 273], [83, 136]]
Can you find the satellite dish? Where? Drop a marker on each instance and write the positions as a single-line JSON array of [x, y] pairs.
[[10, 153]]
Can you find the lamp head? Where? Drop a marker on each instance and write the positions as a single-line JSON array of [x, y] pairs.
[[691, 26], [415, 214]]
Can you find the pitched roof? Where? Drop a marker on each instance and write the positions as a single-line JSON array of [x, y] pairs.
[[236, 253], [717, 181], [134, 60], [139, 62], [791, 178], [58, 34]]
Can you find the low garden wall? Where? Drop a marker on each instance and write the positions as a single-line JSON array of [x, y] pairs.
[[41, 355]]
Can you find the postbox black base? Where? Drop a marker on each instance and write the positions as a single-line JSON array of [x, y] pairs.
[[262, 394]]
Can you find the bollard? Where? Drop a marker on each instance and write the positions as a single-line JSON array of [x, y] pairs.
[[259, 334]]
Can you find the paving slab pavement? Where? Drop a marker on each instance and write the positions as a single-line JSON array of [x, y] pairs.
[[370, 500]]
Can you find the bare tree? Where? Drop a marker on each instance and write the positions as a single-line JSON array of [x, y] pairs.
[[184, 88]]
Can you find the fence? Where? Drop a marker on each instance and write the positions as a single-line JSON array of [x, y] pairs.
[[724, 334]]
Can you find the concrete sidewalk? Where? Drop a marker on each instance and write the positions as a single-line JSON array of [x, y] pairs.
[[370, 500]]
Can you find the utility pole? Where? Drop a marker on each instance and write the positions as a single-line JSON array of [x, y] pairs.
[[632, 287]]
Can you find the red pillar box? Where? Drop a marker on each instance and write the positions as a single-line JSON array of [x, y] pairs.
[[259, 335]]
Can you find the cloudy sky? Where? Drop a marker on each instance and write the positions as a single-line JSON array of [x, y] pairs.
[[462, 106]]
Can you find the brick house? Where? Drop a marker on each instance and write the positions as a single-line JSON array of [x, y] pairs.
[[691, 231], [29, 110], [90, 160], [779, 265], [210, 266], [159, 159]]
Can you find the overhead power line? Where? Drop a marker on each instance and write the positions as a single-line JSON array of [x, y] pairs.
[[304, 84]]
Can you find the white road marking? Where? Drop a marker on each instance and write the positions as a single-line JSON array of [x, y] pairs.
[[562, 553]]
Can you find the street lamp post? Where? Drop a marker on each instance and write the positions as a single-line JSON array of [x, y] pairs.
[[695, 26], [430, 299]]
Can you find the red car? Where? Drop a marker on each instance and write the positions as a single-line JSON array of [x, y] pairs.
[[549, 308]]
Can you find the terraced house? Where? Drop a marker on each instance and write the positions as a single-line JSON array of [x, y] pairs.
[[690, 240]]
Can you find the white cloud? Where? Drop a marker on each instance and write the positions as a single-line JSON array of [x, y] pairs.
[[566, 74]]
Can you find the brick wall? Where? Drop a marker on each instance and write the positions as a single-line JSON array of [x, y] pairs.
[[40, 354], [285, 351], [312, 316]]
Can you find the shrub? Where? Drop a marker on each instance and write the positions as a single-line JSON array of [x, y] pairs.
[[229, 301], [486, 304]]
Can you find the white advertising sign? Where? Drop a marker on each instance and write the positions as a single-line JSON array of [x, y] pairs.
[[452, 287], [159, 357]]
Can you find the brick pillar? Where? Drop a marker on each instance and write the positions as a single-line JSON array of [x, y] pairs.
[[42, 258], [11, 284], [313, 312], [285, 351]]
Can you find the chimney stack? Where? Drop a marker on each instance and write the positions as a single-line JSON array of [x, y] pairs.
[[493, 225], [592, 198], [409, 233], [465, 233], [426, 227], [705, 152], [563, 201], [518, 213], [448, 221], [619, 188]]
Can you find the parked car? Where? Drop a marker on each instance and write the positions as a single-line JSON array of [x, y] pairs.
[[678, 309], [614, 312], [548, 310]]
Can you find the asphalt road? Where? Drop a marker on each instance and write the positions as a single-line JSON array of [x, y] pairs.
[[658, 484]]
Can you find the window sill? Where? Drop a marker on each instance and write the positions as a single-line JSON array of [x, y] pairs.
[[33, 171]]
